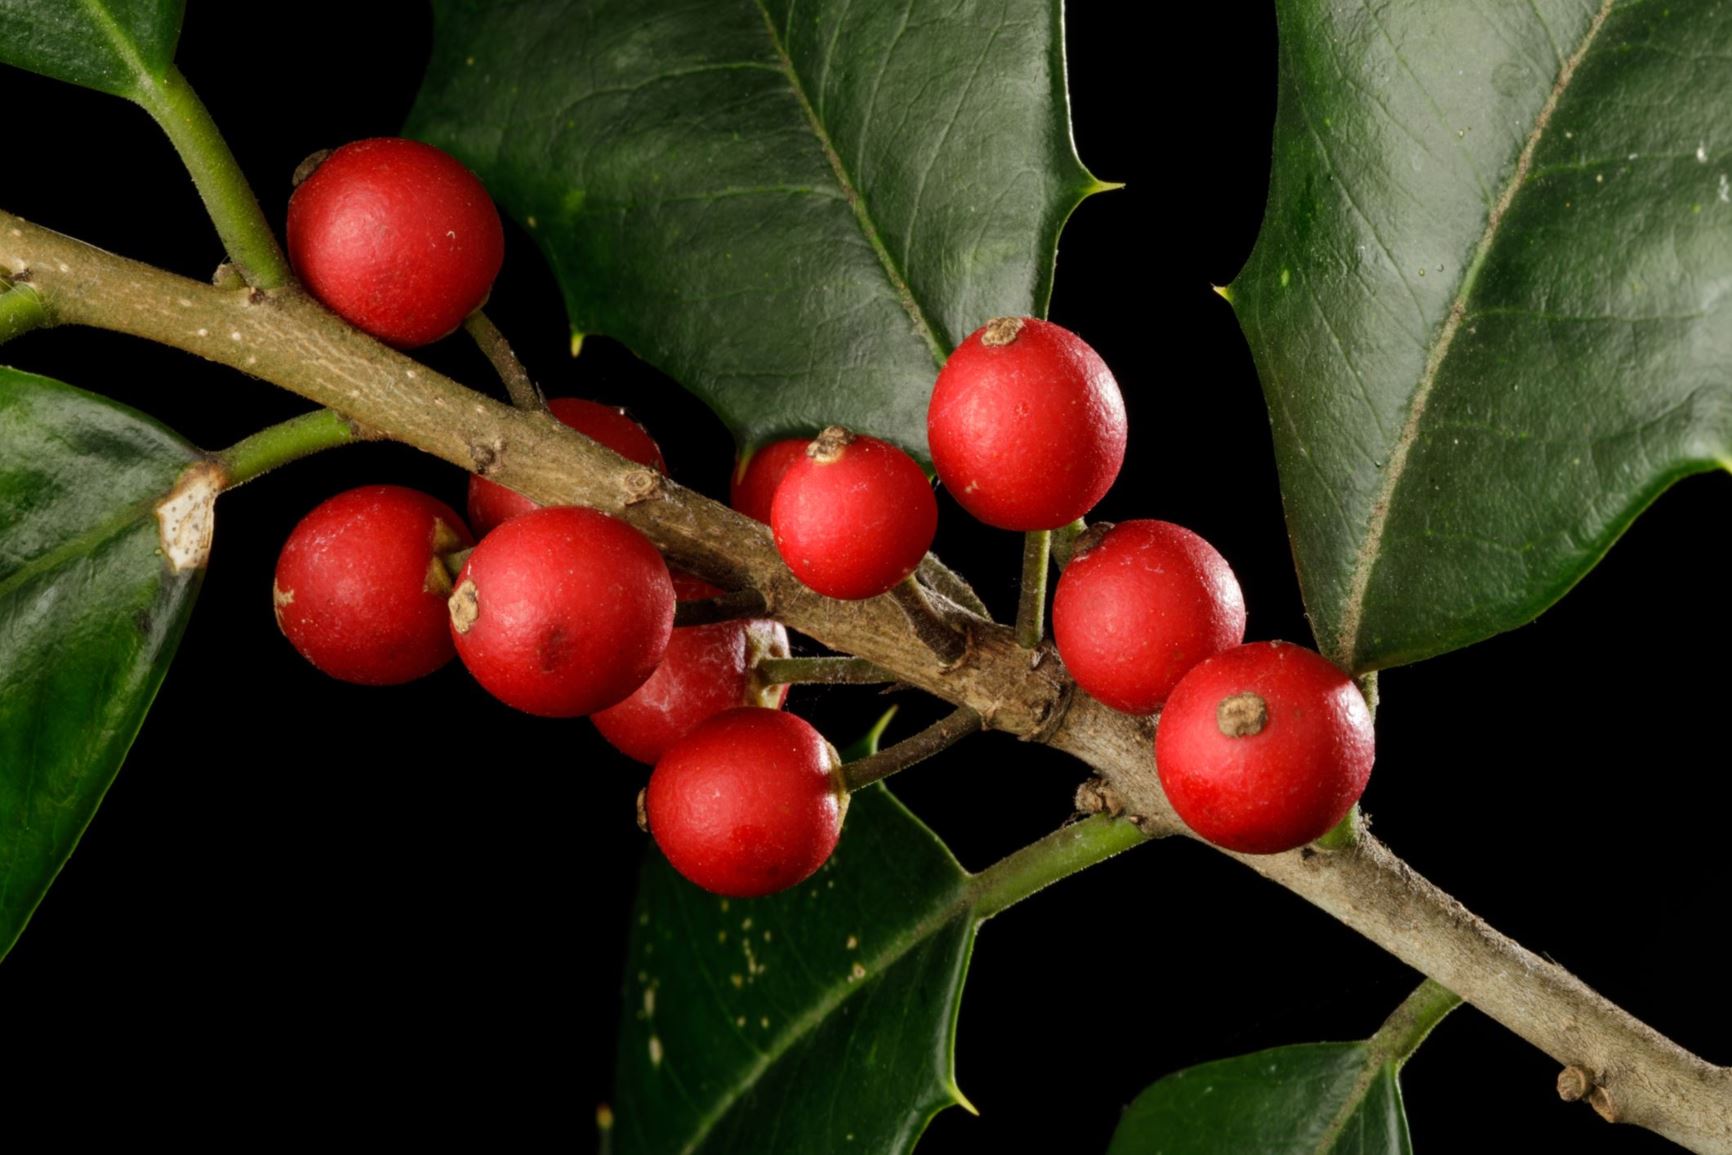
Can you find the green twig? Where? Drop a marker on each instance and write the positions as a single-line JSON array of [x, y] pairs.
[[947, 731], [228, 198], [525, 394], [827, 671], [280, 444], [1064, 540], [1058, 855], [21, 310], [1031, 606], [1403, 1031]]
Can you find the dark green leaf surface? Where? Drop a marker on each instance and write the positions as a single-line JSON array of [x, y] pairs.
[[1319, 1099], [1491, 303], [794, 209], [817, 1020], [117, 46], [89, 615]]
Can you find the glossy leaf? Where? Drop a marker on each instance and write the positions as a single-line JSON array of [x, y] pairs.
[[1318, 1099], [1490, 302], [90, 613], [796, 210], [122, 47], [819, 1019]]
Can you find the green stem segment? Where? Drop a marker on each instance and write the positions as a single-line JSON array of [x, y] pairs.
[[21, 310], [945, 732], [1064, 540], [228, 198], [280, 444], [825, 671], [1403, 1031], [525, 394], [1059, 855], [1031, 607]]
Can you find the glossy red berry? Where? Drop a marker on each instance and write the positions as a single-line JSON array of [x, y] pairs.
[[397, 238], [361, 584], [1026, 425], [759, 473], [492, 504], [748, 803], [562, 611], [707, 669], [854, 516], [1264, 747], [1136, 610]]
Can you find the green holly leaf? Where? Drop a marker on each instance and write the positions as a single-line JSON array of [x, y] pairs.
[[123, 47], [795, 210], [104, 520], [1489, 303], [1319, 1099], [839, 995]]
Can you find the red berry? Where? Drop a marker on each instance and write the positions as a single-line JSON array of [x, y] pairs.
[[707, 669], [491, 504], [1026, 425], [758, 475], [562, 611], [749, 803], [397, 238], [854, 516], [1264, 747], [361, 584], [1134, 612]]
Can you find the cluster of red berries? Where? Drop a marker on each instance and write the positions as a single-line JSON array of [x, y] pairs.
[[565, 612]]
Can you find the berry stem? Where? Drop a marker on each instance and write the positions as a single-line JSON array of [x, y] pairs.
[[725, 608], [945, 732], [1064, 540], [228, 198], [947, 583], [934, 632], [525, 394], [455, 561], [822, 671], [1059, 855], [285, 442], [1031, 606], [1409, 1024], [21, 310]]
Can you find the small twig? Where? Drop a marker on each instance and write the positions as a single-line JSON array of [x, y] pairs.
[[285, 442], [1064, 540], [947, 583], [934, 632], [1031, 605], [726, 608], [826, 671], [945, 732], [525, 394]]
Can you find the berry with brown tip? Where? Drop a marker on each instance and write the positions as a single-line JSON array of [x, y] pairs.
[[854, 516], [361, 584], [562, 611], [1264, 747], [1026, 425]]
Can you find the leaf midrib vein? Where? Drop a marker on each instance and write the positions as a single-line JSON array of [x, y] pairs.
[[898, 282], [1346, 646]]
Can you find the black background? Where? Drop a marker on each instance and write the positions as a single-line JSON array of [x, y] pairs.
[[308, 909]]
